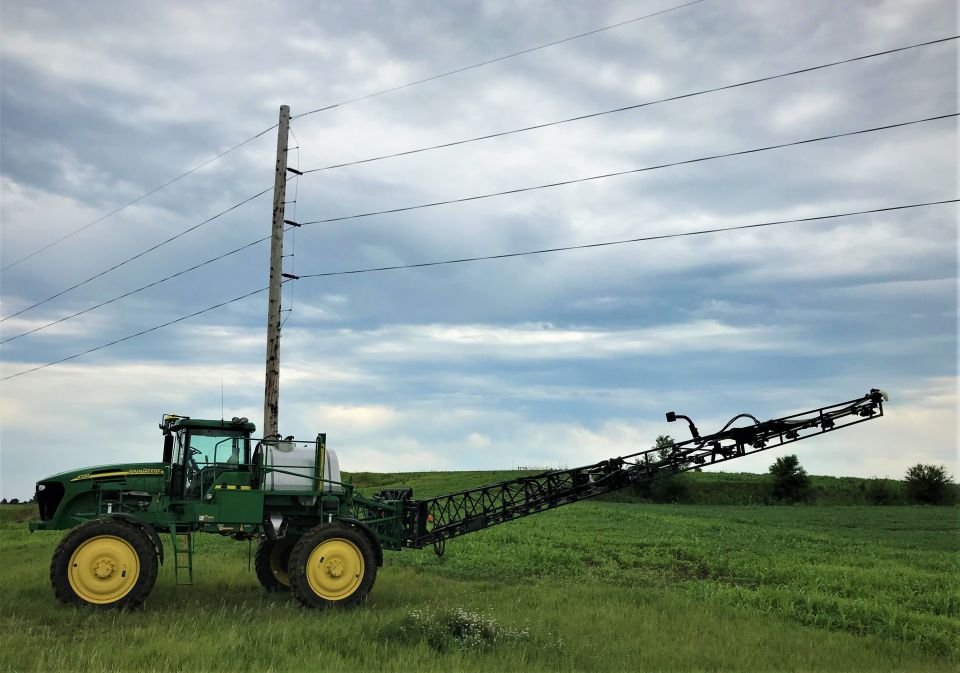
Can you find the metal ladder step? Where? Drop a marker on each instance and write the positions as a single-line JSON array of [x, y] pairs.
[[182, 556]]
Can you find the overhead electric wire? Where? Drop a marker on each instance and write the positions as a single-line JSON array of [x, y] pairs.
[[141, 254], [562, 183], [492, 257], [626, 108], [133, 292], [700, 232], [132, 336], [496, 60], [136, 200], [261, 240], [330, 107]]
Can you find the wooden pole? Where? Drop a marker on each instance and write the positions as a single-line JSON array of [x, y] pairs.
[[271, 390]]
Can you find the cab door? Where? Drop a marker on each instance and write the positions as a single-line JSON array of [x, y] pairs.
[[173, 455]]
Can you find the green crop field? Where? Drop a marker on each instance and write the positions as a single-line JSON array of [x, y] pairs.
[[596, 586]]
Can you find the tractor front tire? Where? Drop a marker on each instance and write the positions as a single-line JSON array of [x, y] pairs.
[[108, 563], [272, 561], [332, 565]]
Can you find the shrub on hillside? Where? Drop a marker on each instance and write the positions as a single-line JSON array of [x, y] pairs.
[[929, 484], [879, 492], [668, 489], [790, 480], [664, 446], [667, 486]]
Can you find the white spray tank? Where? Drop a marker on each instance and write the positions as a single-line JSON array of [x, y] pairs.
[[300, 466]]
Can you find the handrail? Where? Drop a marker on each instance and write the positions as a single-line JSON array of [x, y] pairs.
[[237, 467]]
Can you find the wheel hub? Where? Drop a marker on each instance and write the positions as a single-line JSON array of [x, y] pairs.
[[103, 568], [334, 567]]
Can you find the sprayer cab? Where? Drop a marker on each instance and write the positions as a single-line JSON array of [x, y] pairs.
[[199, 451]]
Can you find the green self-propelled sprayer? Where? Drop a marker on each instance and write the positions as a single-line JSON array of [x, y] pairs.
[[317, 536]]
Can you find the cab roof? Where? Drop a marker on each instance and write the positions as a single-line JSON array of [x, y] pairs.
[[172, 422]]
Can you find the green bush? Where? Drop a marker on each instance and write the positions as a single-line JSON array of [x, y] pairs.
[[664, 489], [669, 489], [790, 480], [879, 492], [929, 485]]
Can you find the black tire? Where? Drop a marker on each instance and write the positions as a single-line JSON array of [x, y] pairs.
[[107, 564], [332, 565], [272, 561]]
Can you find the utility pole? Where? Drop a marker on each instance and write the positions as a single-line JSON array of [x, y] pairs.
[[271, 390]]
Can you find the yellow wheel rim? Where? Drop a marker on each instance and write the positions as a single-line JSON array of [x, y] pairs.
[[335, 569], [279, 560], [103, 569]]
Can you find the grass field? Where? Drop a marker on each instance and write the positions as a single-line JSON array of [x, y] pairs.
[[602, 586]]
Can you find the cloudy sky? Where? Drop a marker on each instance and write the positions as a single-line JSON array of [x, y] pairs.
[[556, 359]]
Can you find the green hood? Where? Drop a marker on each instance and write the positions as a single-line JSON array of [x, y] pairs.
[[107, 471]]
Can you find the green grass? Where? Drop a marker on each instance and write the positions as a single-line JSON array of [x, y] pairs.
[[597, 586]]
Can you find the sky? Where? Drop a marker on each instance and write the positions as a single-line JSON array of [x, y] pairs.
[[552, 360]]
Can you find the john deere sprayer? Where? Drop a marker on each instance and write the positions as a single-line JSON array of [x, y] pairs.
[[317, 536]]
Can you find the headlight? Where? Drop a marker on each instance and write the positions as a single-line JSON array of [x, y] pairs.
[[41, 487]]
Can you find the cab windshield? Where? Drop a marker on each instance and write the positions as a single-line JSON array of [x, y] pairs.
[[202, 456], [209, 447]]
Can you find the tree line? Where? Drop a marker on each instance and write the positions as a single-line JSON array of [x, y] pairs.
[[787, 482]]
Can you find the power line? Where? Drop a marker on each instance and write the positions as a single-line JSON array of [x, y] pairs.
[[630, 171], [629, 107], [132, 336], [407, 208], [641, 239], [492, 257], [140, 254], [330, 107], [139, 289], [136, 200], [496, 60]]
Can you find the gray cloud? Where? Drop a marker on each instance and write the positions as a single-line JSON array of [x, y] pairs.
[[101, 101]]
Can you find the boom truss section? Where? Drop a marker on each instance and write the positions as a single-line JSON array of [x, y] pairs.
[[434, 520]]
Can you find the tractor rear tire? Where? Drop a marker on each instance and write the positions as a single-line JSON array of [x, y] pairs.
[[332, 565], [272, 561], [108, 564]]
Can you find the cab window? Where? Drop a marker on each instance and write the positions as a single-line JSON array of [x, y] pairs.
[[209, 447], [178, 447], [209, 454]]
